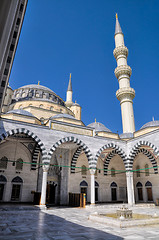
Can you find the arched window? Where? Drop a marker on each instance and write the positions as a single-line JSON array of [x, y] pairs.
[[42, 120], [112, 172], [3, 162], [3, 178], [148, 184], [37, 94], [139, 184], [21, 106], [19, 164], [113, 184], [84, 170], [30, 105], [83, 184], [146, 170], [23, 94], [51, 108], [41, 106], [137, 172]]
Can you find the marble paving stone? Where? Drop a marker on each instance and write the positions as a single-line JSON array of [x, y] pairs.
[[68, 224]]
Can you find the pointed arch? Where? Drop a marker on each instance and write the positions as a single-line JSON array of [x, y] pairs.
[[107, 160], [139, 149], [116, 150], [12, 132], [82, 146], [74, 159]]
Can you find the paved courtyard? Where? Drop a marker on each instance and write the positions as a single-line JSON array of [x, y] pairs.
[[28, 222]]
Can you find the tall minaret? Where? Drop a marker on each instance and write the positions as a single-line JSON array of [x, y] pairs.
[[125, 94], [69, 94]]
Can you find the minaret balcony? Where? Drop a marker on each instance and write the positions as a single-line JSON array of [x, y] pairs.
[[121, 50], [125, 94], [123, 70]]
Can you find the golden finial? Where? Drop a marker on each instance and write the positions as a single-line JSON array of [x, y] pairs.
[[116, 16], [70, 75], [75, 101], [95, 120], [38, 82]]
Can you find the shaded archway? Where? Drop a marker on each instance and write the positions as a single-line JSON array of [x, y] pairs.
[[116, 150], [82, 147], [139, 148], [4, 135]]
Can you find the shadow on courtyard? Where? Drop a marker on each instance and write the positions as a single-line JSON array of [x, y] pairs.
[[38, 225]]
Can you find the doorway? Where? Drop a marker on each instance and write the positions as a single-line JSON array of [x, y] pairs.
[[148, 186], [140, 195], [149, 194], [1, 191], [113, 191], [114, 195], [15, 192], [96, 194], [51, 192]]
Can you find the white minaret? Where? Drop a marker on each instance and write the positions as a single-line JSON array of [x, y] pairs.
[[125, 94], [69, 94]]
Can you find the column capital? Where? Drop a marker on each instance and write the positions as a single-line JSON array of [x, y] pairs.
[[46, 167], [92, 171], [129, 174]]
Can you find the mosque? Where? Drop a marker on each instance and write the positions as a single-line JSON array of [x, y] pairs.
[[45, 147]]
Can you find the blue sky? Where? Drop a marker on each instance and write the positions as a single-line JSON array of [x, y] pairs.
[[60, 37]]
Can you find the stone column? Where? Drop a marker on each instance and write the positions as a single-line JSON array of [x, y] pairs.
[[130, 188], [44, 185], [92, 172]]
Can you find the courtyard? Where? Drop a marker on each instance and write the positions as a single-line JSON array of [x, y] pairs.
[[30, 222]]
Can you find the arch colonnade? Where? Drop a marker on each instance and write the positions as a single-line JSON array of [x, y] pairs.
[[92, 157]]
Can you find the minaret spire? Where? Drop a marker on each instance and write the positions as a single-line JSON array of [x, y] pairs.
[[117, 26], [125, 94], [70, 84], [69, 94]]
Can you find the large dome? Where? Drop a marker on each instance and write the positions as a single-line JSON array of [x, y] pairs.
[[36, 92], [99, 127], [151, 124], [36, 86]]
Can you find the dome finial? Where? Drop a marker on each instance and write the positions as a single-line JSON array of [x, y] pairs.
[[95, 120], [38, 82], [116, 16]]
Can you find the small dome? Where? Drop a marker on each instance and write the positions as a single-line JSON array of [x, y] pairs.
[[151, 124], [21, 112], [99, 127], [62, 115]]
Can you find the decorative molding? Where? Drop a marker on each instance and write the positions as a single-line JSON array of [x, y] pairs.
[[125, 93], [122, 50], [123, 70]]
